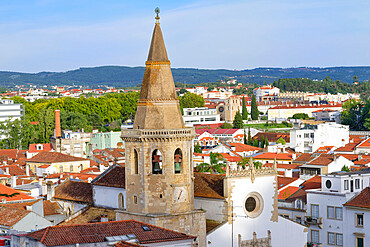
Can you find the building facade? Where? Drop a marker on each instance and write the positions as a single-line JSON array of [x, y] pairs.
[[201, 115]]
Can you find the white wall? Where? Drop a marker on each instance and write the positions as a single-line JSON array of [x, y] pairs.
[[215, 208], [283, 233], [105, 196], [349, 239], [31, 222]]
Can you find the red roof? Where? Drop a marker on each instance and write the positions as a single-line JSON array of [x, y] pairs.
[[74, 191], [365, 143], [14, 170], [45, 147], [97, 232], [114, 176], [209, 185], [9, 216], [272, 156], [322, 160], [10, 191], [288, 191], [362, 200], [284, 181], [324, 149], [13, 154], [240, 147], [216, 131], [53, 157], [306, 106]]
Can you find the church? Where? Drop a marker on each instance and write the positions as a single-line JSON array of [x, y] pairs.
[[238, 208]]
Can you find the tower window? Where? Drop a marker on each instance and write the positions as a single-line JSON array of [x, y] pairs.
[[178, 160], [157, 162], [136, 162]]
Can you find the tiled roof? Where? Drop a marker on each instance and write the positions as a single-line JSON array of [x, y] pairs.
[[97, 232], [283, 181], [45, 147], [51, 208], [324, 149], [90, 170], [53, 157], [9, 216], [126, 244], [21, 205], [362, 200], [271, 156], [349, 147], [209, 185], [272, 136], [216, 131], [306, 106], [115, 152], [13, 154], [231, 158], [14, 170], [303, 158], [365, 144], [322, 160], [91, 215], [74, 191], [114, 176], [288, 191], [241, 147], [9, 191], [312, 183], [72, 175]]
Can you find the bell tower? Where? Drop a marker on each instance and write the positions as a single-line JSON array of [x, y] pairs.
[[159, 166]]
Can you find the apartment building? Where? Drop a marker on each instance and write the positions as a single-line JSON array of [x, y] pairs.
[[200, 115]]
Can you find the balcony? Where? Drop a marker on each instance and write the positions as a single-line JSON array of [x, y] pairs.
[[309, 220]]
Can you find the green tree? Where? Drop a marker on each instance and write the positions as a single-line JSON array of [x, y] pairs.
[[244, 110], [256, 143], [356, 114], [245, 138], [262, 142], [197, 149], [345, 168], [281, 140], [191, 100], [300, 116], [250, 142], [238, 121], [217, 163], [45, 126], [226, 126], [266, 142], [355, 79], [183, 90], [254, 108]]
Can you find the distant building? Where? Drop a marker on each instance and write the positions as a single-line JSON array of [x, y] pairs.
[[266, 93], [327, 115], [201, 115], [102, 140], [9, 110]]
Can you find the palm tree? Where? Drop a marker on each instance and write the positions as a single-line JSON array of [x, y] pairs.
[[244, 162], [217, 163]]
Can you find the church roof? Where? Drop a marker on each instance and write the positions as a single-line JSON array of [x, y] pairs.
[[114, 176], [157, 50], [209, 185]]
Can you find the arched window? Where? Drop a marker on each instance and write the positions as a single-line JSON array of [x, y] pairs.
[[178, 160], [136, 163], [121, 201], [157, 162]]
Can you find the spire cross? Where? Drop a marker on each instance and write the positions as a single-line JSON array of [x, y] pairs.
[[157, 11]]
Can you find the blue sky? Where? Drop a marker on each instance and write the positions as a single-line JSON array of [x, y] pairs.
[[59, 35]]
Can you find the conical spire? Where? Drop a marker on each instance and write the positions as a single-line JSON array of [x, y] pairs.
[[158, 106], [157, 50]]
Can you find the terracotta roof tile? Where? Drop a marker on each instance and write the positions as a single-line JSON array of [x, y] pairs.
[[14, 170], [9, 191], [288, 191], [362, 200], [51, 208], [91, 215], [271, 156], [322, 160], [9, 216], [365, 143], [74, 191], [45, 147], [53, 157], [241, 147], [284, 181], [114, 176], [209, 185], [97, 232]]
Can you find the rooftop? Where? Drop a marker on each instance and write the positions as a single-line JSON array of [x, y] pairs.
[[114, 176], [362, 200], [74, 191], [98, 232], [53, 157], [209, 185]]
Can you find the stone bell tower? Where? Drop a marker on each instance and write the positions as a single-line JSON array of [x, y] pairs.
[[159, 167]]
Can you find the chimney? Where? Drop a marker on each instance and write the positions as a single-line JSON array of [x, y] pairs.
[[13, 181], [49, 190], [7, 171], [27, 169], [58, 131], [104, 218], [359, 157]]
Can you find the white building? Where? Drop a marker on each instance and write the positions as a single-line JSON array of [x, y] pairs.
[[251, 211], [329, 222], [200, 115], [309, 138], [9, 110], [266, 92]]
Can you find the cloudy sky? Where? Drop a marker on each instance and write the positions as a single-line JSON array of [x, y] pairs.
[[60, 35]]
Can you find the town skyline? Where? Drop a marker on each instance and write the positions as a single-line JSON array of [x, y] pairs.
[[54, 36]]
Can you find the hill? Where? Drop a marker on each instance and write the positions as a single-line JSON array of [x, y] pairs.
[[121, 76]]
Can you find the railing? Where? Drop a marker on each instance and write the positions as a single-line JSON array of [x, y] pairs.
[[154, 133], [313, 220]]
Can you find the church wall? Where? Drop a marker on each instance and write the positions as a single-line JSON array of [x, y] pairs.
[[283, 233], [105, 196], [215, 208]]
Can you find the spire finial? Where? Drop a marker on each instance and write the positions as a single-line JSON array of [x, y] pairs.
[[157, 11]]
